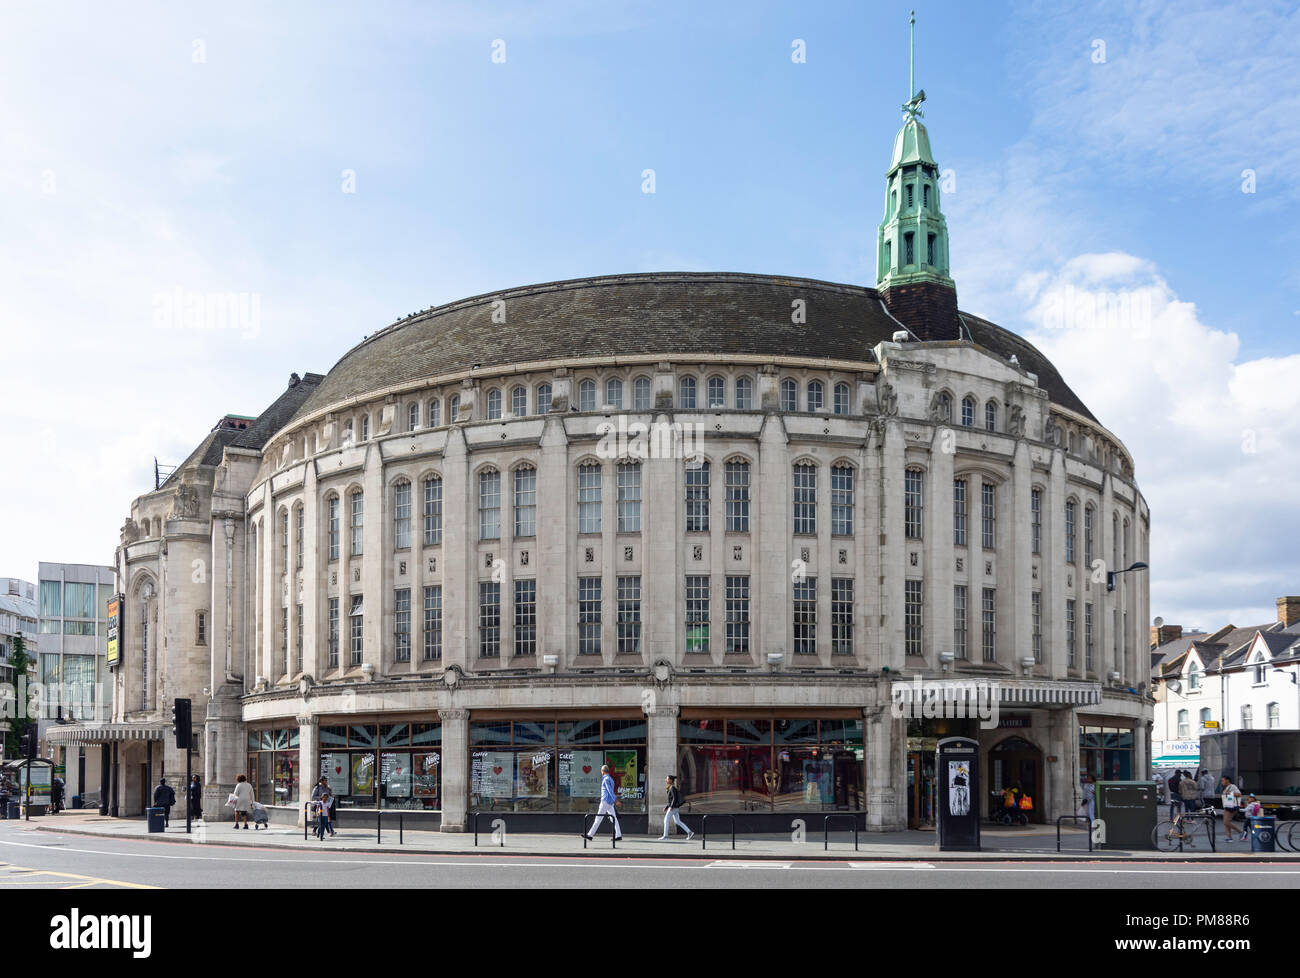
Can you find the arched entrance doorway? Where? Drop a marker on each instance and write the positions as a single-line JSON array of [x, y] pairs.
[[1017, 761]]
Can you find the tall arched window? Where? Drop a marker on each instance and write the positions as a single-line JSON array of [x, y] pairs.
[[1089, 519], [991, 416], [968, 412], [686, 393], [332, 529], [717, 392], [789, 395], [358, 509], [1070, 509], [744, 394], [402, 516], [525, 501], [614, 393], [365, 427], [913, 503], [432, 511], [589, 498], [453, 409], [1184, 729], [519, 401], [435, 413], [489, 505], [543, 398], [494, 404], [816, 395], [413, 416], [843, 403], [641, 394], [587, 395], [805, 498]]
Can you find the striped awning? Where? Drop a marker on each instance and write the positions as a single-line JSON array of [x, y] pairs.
[[1047, 693], [1040, 693], [104, 733]]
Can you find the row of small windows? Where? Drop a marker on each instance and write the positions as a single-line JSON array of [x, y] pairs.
[[969, 410], [617, 396]]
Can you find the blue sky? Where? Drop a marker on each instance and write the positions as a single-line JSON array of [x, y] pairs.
[[203, 147]]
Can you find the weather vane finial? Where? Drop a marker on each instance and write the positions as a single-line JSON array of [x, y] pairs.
[[912, 107]]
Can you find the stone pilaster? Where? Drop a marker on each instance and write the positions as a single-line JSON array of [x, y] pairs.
[[885, 742], [661, 756], [455, 769], [308, 760]]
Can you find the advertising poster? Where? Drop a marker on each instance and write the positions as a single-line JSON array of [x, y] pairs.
[[492, 774], [336, 769], [958, 787], [584, 773], [425, 775], [363, 774], [395, 771], [533, 775], [113, 623], [623, 768]]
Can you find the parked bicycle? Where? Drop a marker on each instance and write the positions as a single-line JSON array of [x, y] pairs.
[[1174, 834]]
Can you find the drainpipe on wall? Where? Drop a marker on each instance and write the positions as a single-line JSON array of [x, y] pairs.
[[229, 526]]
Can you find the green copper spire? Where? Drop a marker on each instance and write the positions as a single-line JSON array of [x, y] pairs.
[[913, 241]]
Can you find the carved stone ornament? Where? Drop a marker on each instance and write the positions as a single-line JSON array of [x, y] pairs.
[[523, 558], [627, 553], [1016, 421], [1052, 431], [185, 504], [737, 552], [130, 531], [887, 400]]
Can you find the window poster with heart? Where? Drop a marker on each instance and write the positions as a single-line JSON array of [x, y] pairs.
[[337, 770], [583, 772], [492, 774]]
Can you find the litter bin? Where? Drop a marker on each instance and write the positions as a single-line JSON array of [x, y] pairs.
[[76, 801], [14, 811], [1263, 832], [156, 819]]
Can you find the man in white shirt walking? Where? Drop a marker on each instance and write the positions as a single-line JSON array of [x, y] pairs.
[[608, 799]]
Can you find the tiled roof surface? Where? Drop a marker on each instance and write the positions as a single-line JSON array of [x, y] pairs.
[[626, 315]]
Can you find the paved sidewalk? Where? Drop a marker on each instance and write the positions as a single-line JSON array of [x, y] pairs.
[[1000, 844]]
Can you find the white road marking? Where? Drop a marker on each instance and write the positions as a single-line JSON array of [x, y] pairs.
[[886, 865], [742, 864], [550, 862]]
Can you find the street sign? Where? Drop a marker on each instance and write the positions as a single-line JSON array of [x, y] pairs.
[[1210, 724]]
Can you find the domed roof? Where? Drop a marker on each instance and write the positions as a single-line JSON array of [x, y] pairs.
[[911, 145], [671, 313]]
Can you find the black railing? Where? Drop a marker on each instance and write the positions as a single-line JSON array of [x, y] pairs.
[[477, 815], [379, 828], [1087, 828], [826, 830], [613, 837], [704, 829]]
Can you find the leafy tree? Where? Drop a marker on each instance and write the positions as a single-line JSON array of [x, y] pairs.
[[20, 660]]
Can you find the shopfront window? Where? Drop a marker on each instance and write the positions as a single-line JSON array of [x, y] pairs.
[[554, 766], [1106, 752], [766, 764], [273, 765], [389, 766]]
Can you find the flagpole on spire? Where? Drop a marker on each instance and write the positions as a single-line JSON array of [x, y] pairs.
[[911, 65]]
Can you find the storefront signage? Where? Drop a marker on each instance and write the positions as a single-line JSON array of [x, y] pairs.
[[1210, 724]]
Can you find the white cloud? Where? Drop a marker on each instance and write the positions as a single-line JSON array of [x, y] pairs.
[[1213, 437]]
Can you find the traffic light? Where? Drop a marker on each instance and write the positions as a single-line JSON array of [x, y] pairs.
[[27, 745], [182, 727]]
